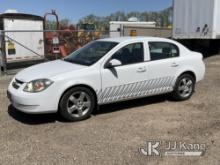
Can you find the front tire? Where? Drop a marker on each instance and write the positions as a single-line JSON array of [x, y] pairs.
[[77, 104], [184, 87]]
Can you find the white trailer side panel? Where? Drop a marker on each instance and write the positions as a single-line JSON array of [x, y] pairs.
[[115, 30], [1, 54], [32, 40], [216, 31], [117, 27], [196, 19]]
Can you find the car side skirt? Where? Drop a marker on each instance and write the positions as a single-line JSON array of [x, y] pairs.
[[136, 90]]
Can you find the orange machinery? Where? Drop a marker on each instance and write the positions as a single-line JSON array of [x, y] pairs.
[[65, 39]]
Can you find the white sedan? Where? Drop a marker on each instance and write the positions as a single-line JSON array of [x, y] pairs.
[[106, 71]]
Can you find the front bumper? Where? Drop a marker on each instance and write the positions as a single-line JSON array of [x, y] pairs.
[[33, 103]]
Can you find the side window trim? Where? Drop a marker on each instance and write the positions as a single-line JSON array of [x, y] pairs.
[[177, 48], [146, 52]]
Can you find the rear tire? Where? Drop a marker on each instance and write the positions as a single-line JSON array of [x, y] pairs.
[[77, 104], [184, 88]]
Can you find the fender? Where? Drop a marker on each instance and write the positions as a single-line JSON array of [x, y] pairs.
[[70, 84], [185, 69]]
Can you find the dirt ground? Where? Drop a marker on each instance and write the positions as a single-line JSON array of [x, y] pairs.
[[114, 134]]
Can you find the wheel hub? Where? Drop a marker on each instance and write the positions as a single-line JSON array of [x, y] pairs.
[[79, 104]]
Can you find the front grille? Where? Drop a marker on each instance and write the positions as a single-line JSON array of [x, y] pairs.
[[17, 83], [9, 95]]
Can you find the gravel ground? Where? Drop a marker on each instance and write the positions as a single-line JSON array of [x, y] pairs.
[[114, 134]]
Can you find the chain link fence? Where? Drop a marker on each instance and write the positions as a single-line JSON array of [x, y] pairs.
[[23, 48]]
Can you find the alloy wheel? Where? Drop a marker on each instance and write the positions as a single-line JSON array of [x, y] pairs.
[[185, 87], [78, 104]]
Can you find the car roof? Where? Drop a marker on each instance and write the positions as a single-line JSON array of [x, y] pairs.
[[130, 39]]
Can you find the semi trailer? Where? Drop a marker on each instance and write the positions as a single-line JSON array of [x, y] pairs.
[[20, 46], [196, 24]]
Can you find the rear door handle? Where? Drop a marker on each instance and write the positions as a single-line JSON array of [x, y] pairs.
[[141, 69], [174, 65]]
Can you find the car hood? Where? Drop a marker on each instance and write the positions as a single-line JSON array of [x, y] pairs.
[[47, 70]]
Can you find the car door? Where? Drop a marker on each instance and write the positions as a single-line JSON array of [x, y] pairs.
[[163, 66], [125, 81]]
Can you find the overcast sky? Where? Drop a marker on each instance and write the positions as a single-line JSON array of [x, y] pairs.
[[76, 9]]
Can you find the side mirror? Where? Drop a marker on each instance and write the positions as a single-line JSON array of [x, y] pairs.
[[113, 63]]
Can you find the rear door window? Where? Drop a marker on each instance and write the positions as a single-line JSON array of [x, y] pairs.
[[162, 50]]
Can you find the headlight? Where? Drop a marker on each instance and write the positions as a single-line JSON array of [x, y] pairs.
[[37, 85]]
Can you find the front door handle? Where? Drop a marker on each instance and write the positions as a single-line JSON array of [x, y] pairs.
[[141, 69], [174, 65]]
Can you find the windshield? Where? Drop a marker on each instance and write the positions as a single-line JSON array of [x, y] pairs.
[[90, 53]]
